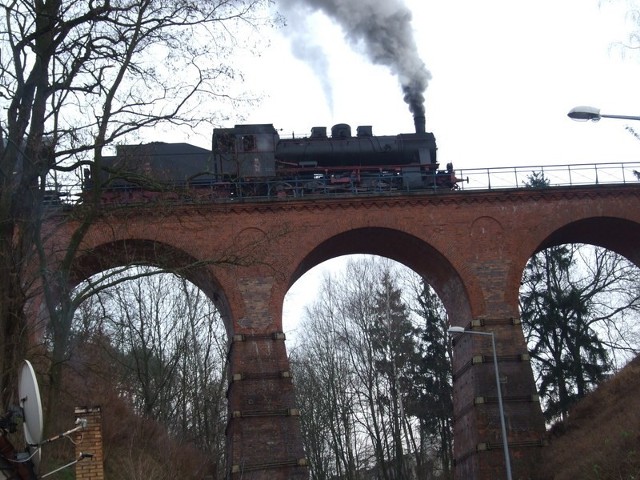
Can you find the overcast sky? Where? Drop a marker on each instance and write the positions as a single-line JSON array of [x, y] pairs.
[[504, 76]]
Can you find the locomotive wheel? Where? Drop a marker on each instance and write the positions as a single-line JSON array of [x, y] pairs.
[[376, 185], [315, 187], [284, 189], [382, 186]]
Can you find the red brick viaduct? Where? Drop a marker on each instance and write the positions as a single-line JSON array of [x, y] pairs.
[[471, 246]]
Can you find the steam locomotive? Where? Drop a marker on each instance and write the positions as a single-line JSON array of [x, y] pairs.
[[253, 161]]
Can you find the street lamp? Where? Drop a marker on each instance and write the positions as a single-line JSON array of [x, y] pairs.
[[583, 114], [505, 444]]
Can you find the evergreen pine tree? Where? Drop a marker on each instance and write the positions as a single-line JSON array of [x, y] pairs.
[[432, 393], [556, 311]]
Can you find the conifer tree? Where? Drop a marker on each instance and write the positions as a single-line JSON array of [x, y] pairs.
[[395, 342], [570, 312], [432, 394]]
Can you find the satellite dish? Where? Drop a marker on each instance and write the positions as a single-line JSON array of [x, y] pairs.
[[31, 408]]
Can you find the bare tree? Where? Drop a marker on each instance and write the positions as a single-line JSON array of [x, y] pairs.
[[361, 375], [358, 310], [325, 390], [75, 77], [166, 346], [632, 43]]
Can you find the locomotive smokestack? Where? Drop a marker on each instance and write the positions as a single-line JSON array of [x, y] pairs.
[[420, 123]]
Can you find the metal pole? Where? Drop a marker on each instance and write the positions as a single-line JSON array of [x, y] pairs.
[[505, 444], [621, 117]]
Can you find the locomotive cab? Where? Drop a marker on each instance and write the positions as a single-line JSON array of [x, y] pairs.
[[245, 151]]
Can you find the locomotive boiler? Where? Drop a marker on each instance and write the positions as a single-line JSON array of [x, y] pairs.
[[252, 160], [321, 162]]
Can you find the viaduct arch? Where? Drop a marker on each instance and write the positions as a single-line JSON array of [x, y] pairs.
[[471, 246]]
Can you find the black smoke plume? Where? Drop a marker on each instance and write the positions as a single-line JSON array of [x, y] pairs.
[[381, 27]]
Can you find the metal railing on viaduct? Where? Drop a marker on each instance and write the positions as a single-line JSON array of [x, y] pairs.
[[491, 178], [556, 175]]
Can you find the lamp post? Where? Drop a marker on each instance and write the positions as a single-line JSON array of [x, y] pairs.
[[583, 114], [505, 444]]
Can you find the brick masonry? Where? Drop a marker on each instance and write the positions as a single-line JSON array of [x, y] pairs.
[[89, 445], [471, 246]]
